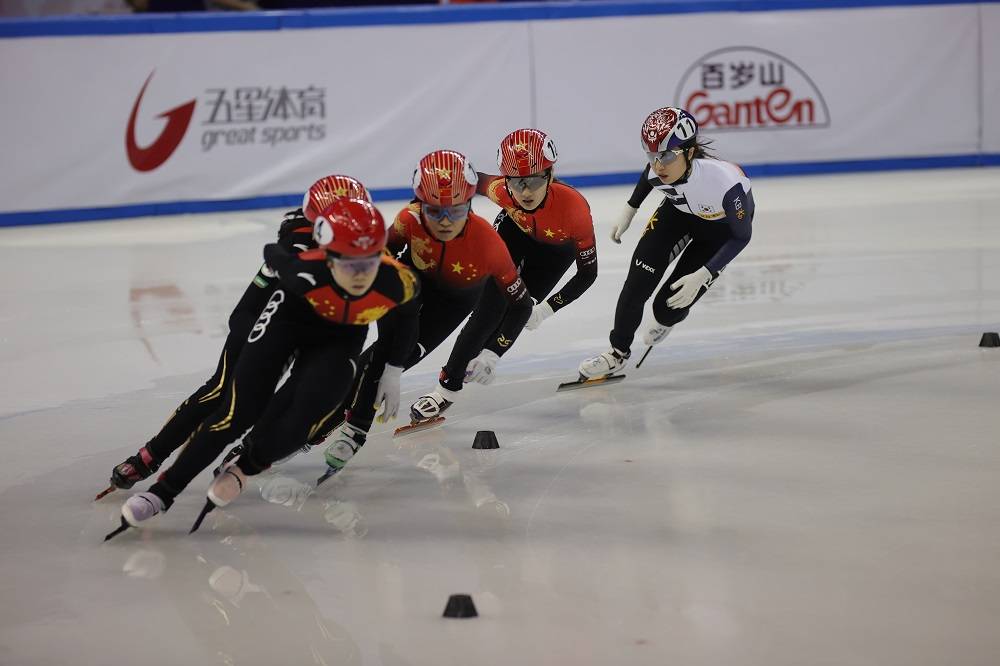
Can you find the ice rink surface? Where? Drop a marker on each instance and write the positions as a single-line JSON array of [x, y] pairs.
[[806, 472]]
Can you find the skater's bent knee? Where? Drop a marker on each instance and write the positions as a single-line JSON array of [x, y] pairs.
[[667, 316]]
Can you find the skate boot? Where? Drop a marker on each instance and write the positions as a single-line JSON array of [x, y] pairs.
[[604, 364], [138, 508], [656, 334], [347, 439], [142, 507], [134, 469], [225, 487], [432, 405], [427, 411], [228, 485]]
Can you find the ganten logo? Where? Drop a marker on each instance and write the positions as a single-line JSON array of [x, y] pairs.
[[747, 88]]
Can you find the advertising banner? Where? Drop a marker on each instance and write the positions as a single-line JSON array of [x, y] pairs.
[[133, 119], [116, 120], [768, 87]]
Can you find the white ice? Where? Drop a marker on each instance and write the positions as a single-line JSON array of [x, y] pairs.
[[806, 472]]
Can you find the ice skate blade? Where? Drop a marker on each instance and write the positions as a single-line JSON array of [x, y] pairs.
[[585, 383], [207, 509], [330, 471], [417, 426], [121, 528], [107, 491], [639, 364]]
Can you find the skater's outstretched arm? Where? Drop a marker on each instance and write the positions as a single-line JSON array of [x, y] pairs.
[[639, 194], [581, 226], [642, 189], [476, 339], [739, 207]]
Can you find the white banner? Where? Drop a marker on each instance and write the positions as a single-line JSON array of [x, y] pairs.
[[116, 120], [991, 78], [229, 115], [766, 86]]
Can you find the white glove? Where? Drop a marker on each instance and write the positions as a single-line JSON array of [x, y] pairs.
[[482, 369], [624, 220], [388, 393], [539, 313], [687, 288]]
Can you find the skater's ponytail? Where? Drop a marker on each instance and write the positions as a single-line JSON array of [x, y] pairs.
[[703, 150]]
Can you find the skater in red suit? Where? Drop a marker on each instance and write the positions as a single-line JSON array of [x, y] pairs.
[[457, 254], [546, 226]]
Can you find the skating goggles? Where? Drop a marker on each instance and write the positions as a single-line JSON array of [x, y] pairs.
[[521, 183], [356, 265], [453, 213], [664, 157]]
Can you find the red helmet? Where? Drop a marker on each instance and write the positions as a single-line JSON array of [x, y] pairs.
[[444, 178], [668, 128], [326, 189], [524, 152], [350, 228]]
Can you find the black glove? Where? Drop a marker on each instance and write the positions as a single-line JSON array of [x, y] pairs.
[[295, 232]]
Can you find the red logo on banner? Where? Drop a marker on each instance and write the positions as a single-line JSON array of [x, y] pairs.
[[155, 154], [746, 88]]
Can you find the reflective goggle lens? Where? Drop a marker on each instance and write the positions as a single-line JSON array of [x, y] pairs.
[[527, 182], [357, 265], [453, 213], [664, 157]]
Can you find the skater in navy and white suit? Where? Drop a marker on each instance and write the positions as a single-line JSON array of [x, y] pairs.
[[705, 220]]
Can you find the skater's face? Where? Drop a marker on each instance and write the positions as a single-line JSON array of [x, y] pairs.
[[445, 222], [529, 191], [670, 165], [355, 275]]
